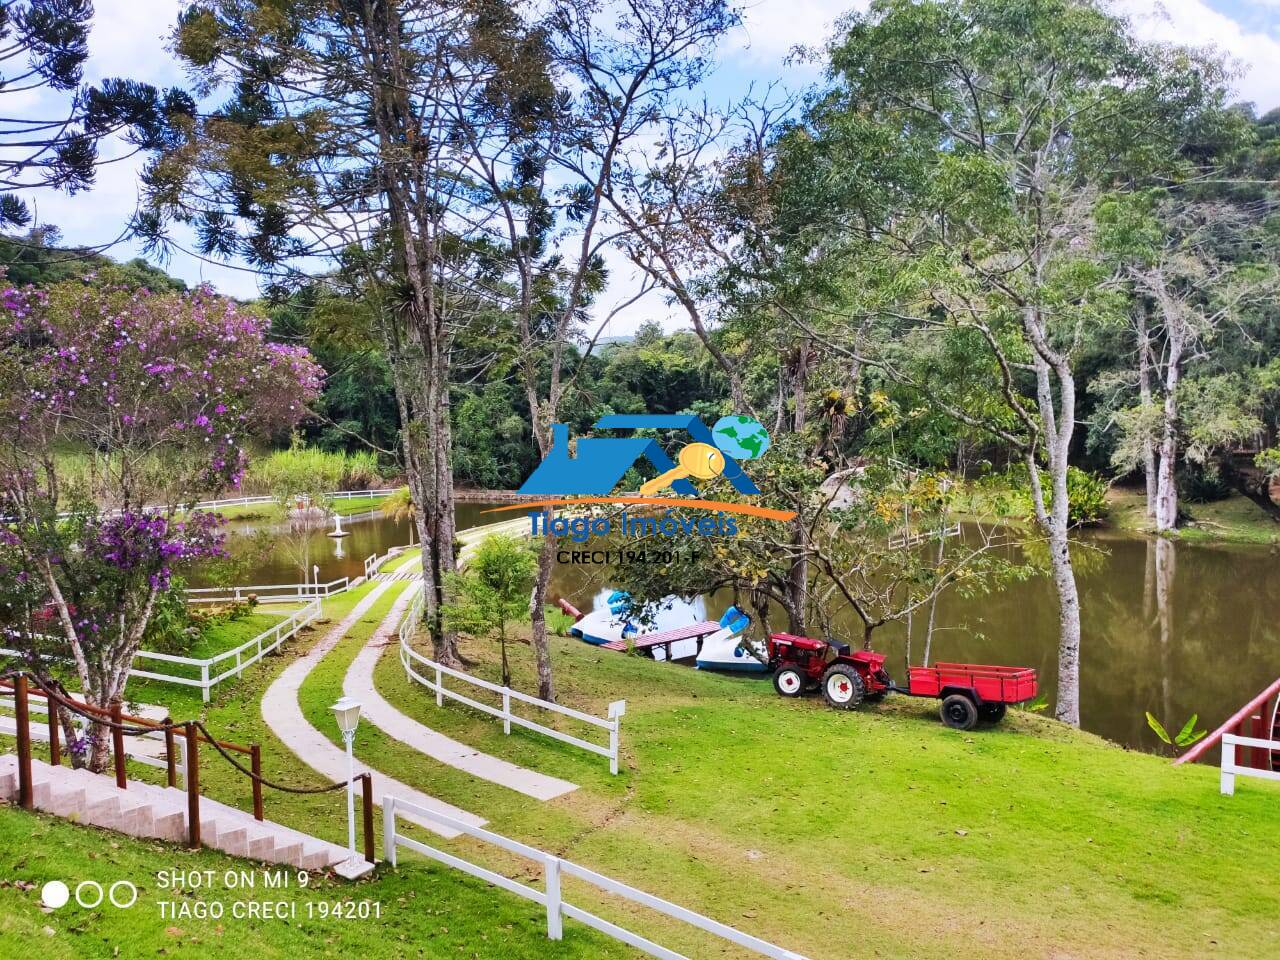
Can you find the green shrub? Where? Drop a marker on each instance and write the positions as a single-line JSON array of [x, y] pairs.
[[558, 622], [1086, 494]]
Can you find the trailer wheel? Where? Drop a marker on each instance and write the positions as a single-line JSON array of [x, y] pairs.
[[959, 712], [789, 681], [842, 688], [993, 712]]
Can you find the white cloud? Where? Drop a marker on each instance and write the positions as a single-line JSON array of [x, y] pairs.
[[1195, 23], [772, 28]]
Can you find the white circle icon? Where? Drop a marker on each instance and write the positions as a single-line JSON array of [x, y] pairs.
[[54, 894], [132, 893], [91, 887]]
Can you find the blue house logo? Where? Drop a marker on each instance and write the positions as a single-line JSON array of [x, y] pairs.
[[599, 463]]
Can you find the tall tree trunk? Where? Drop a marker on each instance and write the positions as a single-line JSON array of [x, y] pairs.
[[538, 618], [1144, 394], [1166, 477], [1057, 416]]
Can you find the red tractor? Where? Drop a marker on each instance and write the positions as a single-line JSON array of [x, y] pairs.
[[969, 692]]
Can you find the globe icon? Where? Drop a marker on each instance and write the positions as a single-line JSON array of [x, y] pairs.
[[741, 437]]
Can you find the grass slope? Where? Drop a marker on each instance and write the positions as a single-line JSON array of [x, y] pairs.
[[873, 833]]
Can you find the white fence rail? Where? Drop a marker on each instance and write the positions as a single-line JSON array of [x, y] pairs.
[[268, 593], [335, 495], [412, 661], [550, 897], [235, 660], [1231, 769]]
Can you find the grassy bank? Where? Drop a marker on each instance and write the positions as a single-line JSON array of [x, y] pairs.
[[1235, 519], [876, 833]]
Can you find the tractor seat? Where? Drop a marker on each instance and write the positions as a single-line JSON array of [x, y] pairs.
[[839, 647]]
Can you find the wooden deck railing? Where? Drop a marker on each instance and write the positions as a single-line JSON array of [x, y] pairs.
[[1254, 720]]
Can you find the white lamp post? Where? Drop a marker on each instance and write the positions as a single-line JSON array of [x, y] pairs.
[[347, 713]]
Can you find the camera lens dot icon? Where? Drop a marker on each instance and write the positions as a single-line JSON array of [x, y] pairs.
[[54, 894]]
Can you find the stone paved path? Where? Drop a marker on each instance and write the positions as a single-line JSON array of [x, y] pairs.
[[284, 716]]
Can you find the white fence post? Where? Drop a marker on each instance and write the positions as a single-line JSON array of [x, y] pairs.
[[439, 688], [389, 828], [204, 681], [616, 710], [555, 923], [1227, 783], [506, 712]]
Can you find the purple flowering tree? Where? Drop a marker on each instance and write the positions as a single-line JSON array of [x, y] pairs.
[[122, 409]]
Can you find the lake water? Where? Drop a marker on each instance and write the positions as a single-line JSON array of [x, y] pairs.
[[1173, 628]]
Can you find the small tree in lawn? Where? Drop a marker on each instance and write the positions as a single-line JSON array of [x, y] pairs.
[[493, 591], [121, 409]]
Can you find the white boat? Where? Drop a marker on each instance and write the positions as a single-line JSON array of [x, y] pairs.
[[727, 648]]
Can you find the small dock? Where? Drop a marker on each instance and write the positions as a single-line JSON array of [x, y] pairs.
[[663, 640]]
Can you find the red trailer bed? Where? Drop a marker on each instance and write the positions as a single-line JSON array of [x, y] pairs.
[[991, 684]]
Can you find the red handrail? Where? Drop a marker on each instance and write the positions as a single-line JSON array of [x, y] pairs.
[[1196, 752]]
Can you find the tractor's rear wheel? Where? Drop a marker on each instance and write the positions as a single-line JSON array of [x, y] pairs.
[[959, 712], [842, 688], [993, 712], [789, 681]]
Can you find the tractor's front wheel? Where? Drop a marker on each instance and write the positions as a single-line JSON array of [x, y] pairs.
[[959, 712], [788, 681], [842, 688]]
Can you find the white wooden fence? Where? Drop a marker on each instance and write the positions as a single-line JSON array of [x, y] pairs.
[[411, 659], [268, 593], [335, 495], [550, 897], [1231, 769], [235, 660]]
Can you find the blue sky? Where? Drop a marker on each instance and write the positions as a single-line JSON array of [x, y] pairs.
[[129, 39]]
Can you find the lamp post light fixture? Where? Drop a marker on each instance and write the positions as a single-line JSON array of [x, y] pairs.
[[347, 712]]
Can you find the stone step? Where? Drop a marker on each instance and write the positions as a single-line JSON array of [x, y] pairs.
[[148, 810]]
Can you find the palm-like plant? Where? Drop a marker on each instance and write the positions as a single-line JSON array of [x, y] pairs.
[[398, 506]]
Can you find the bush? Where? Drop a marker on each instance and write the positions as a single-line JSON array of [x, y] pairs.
[[1201, 483], [1086, 495], [558, 622]]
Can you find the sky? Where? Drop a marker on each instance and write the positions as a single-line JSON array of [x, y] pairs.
[[130, 36]]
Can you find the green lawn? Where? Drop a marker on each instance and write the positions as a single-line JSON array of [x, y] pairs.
[[873, 833], [410, 558]]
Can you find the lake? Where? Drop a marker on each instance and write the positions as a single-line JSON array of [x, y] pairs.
[[1174, 628]]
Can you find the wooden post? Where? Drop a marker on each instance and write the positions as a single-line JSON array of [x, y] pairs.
[[255, 764], [170, 755], [1259, 757], [55, 743], [26, 793], [117, 745], [193, 787], [367, 798]]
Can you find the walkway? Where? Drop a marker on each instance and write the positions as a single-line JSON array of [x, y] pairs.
[[358, 683], [284, 716]]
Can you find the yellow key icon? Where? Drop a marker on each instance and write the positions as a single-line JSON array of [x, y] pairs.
[[699, 460]]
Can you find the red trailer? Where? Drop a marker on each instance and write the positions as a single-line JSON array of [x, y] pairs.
[[969, 691]]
